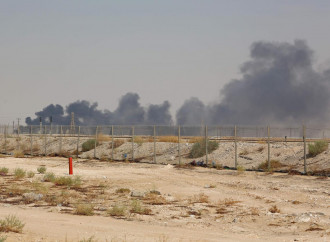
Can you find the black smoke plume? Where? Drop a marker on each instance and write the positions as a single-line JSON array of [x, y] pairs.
[[129, 111], [279, 85]]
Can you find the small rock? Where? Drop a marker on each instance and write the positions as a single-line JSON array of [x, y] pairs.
[[137, 194]]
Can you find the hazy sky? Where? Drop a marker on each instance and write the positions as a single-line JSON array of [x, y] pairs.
[[61, 51]]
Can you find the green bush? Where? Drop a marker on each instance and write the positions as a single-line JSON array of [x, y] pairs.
[[30, 174], [41, 169], [49, 177], [11, 224], [68, 181], [89, 145], [317, 148], [19, 173], [198, 148], [117, 211], [4, 171]]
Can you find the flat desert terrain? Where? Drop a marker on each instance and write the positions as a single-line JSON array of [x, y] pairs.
[[154, 202]]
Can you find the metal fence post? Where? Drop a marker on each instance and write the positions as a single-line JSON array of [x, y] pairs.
[[45, 141], [154, 144], [268, 145], [304, 140], [5, 139], [78, 141], [31, 141], [206, 146], [132, 143], [97, 127], [235, 143], [112, 144], [60, 148], [179, 150], [18, 138]]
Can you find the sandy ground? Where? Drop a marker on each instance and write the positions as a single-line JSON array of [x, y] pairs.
[[199, 204]]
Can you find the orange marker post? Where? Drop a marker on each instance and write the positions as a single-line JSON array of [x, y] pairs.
[[70, 166]]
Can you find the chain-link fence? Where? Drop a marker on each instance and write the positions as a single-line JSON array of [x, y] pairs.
[[237, 145]]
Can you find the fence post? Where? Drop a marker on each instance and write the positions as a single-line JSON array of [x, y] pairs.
[[78, 141], [132, 143], [97, 127], [18, 138], [206, 146], [45, 141], [154, 144], [112, 145], [31, 141], [304, 140], [61, 134], [268, 145], [5, 139], [235, 143], [179, 150]]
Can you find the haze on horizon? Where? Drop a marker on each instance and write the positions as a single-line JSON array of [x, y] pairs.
[[63, 51]]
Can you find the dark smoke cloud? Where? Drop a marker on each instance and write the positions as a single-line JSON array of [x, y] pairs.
[[129, 111], [278, 86]]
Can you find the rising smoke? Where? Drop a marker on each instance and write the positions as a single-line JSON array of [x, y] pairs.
[[279, 85]]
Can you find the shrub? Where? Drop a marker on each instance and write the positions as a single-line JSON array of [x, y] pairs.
[[138, 140], [68, 181], [123, 190], [3, 238], [118, 211], [244, 152], [30, 174], [19, 173], [198, 149], [273, 165], [11, 224], [18, 154], [317, 148], [118, 142], [274, 209], [41, 169], [49, 177], [136, 207], [84, 209], [89, 145], [4, 171]]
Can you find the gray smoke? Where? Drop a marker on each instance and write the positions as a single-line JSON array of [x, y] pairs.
[[191, 112], [279, 85], [129, 111]]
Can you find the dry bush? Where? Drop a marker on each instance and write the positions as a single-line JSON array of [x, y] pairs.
[[260, 149], [18, 154], [240, 170], [123, 190], [168, 139], [11, 224], [244, 152], [199, 148], [84, 209], [103, 138], [117, 211], [274, 209], [89, 145], [49, 177], [154, 199], [39, 187], [274, 164], [4, 171], [19, 173], [35, 148], [41, 169], [67, 181], [200, 198], [30, 174], [118, 142], [136, 207], [138, 140]]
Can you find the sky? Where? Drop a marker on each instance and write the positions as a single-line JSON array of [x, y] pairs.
[[58, 52]]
